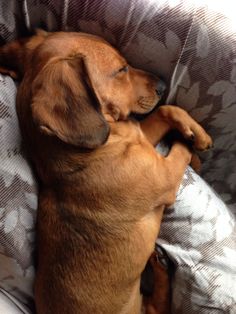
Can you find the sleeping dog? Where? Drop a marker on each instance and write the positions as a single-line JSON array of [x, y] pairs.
[[103, 186]]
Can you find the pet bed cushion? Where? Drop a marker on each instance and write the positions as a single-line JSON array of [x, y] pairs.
[[193, 48], [18, 202], [199, 235]]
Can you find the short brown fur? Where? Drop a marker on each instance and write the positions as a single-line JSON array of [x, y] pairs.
[[103, 186]]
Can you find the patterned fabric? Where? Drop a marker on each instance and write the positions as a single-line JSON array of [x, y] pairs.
[[200, 238], [193, 48], [18, 201]]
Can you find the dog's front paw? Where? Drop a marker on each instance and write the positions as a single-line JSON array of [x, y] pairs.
[[199, 137], [192, 131]]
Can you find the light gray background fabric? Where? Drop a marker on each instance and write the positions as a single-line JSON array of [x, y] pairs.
[[18, 201]]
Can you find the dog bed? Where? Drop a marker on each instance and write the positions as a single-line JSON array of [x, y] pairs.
[[192, 47]]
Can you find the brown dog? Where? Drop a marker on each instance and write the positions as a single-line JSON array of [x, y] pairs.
[[103, 187]]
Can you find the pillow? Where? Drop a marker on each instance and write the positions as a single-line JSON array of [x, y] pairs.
[[199, 235], [18, 202]]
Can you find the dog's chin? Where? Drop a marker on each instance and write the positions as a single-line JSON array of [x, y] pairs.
[[144, 109], [146, 104], [114, 113]]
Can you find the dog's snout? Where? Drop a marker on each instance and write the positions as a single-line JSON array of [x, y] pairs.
[[160, 88]]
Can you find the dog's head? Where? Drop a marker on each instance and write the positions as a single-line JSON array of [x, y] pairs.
[[76, 83]]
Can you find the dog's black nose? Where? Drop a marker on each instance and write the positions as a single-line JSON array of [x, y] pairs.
[[160, 88]]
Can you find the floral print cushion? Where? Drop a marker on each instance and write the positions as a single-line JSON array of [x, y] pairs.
[[193, 48], [18, 202], [199, 236]]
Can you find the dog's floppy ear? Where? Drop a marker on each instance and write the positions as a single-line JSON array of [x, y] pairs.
[[64, 104]]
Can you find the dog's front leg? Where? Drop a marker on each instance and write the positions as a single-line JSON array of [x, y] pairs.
[[170, 172], [167, 178], [166, 118]]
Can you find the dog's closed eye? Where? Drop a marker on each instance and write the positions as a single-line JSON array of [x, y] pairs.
[[124, 69]]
